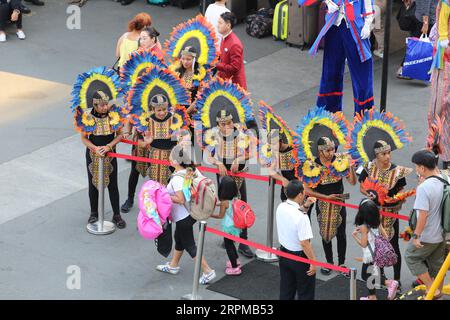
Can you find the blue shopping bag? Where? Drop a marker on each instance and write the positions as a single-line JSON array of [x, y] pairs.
[[418, 60]]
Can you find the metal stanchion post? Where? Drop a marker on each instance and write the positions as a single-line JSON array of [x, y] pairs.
[[101, 227], [261, 254], [352, 283], [198, 264]]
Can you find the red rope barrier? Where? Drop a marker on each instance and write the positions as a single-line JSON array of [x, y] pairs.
[[242, 175], [277, 252]]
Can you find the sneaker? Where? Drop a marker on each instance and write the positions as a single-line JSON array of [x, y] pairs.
[[230, 266], [378, 53], [325, 271], [392, 289], [245, 251], [167, 268], [3, 37], [233, 271], [206, 278], [126, 207], [21, 35]]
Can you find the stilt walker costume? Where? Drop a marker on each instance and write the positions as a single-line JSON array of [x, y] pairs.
[[99, 121], [378, 133], [277, 151], [321, 132], [223, 109], [346, 32], [440, 81], [157, 89]]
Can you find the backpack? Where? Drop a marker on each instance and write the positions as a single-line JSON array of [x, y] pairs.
[[203, 197], [155, 205], [384, 254], [445, 204], [243, 215]]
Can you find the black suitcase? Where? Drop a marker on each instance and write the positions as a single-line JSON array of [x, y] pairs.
[[204, 5], [183, 4], [239, 8]]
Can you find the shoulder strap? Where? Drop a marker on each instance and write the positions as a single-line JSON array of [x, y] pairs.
[[444, 181]]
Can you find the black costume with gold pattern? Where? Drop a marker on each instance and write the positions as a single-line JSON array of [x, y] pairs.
[[102, 135]]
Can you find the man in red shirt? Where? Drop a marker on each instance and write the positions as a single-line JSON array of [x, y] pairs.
[[231, 65]]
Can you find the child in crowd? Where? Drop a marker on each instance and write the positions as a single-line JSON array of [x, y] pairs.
[[368, 224], [228, 192], [179, 190]]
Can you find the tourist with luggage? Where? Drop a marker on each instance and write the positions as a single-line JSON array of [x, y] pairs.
[[179, 188], [425, 253]]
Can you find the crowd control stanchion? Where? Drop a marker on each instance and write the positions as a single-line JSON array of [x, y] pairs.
[[101, 227], [352, 283], [198, 264], [260, 254]]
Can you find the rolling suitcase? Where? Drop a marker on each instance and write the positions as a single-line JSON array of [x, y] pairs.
[[280, 21], [239, 8], [302, 24], [204, 5]]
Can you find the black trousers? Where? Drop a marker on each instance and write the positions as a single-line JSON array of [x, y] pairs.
[[184, 236], [243, 192], [231, 251], [132, 181], [5, 15], [113, 188], [341, 242], [294, 280], [394, 242], [366, 276]]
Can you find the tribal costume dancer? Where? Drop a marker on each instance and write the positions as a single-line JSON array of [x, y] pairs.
[[374, 136], [223, 110], [277, 152], [99, 121], [322, 171], [163, 90]]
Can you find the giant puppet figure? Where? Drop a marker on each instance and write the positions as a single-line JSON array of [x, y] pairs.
[[346, 32]]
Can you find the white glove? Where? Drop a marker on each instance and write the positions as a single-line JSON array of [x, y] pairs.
[[365, 32], [444, 43], [332, 7]]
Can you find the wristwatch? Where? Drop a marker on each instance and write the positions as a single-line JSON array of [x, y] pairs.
[[415, 236]]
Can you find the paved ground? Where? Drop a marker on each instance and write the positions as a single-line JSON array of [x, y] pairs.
[[43, 194]]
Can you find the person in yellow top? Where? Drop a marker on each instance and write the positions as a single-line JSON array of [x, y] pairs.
[[129, 41]]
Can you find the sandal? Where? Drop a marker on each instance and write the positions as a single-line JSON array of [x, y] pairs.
[[119, 222]]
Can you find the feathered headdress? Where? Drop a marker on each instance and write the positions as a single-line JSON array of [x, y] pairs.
[[371, 126], [373, 187], [316, 124], [86, 85], [270, 122], [156, 81], [201, 35], [140, 62]]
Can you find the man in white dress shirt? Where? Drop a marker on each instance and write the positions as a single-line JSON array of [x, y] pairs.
[[294, 236], [213, 13]]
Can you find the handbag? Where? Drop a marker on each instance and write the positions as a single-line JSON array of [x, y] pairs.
[[406, 17], [164, 241]]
